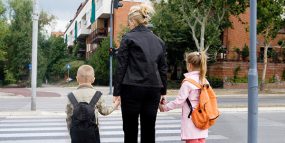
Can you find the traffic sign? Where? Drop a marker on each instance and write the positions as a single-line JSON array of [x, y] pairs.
[[68, 66], [30, 66]]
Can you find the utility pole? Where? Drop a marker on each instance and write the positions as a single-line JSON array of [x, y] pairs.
[[34, 54], [114, 4], [252, 78], [111, 48]]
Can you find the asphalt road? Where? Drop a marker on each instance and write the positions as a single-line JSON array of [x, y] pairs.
[[231, 127]]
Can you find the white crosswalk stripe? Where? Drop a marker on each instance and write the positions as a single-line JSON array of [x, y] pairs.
[[53, 129]]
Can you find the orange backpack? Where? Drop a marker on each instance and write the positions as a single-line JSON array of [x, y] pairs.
[[206, 112]]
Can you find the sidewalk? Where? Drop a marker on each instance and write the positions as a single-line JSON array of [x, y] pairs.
[[52, 91], [52, 100]]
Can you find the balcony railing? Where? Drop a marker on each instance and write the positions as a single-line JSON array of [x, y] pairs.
[[98, 34]]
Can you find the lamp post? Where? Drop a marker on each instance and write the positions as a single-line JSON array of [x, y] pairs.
[[114, 4], [34, 54], [252, 78]]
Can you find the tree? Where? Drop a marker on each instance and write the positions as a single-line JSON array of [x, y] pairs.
[[170, 27], [207, 19], [19, 41], [270, 21], [191, 25], [3, 31], [55, 51], [100, 62]]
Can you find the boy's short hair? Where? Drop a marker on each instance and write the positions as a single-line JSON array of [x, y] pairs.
[[85, 74]]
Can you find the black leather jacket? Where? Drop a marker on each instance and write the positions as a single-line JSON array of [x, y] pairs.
[[141, 61]]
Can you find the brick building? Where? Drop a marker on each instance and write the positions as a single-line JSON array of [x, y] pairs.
[[236, 38]]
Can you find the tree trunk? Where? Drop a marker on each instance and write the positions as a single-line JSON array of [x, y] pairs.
[[264, 68]]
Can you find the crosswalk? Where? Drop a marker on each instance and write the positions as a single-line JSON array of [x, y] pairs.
[[52, 129]]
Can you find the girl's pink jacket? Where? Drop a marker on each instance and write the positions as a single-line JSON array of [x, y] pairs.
[[187, 90]]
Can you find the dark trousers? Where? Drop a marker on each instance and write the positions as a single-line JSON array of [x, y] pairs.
[[139, 102], [84, 135]]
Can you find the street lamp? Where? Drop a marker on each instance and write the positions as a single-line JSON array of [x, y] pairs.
[[34, 54], [114, 4]]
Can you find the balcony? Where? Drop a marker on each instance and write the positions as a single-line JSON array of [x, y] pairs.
[[98, 34], [83, 31], [103, 8]]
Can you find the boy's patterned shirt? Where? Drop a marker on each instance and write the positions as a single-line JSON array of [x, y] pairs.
[[84, 93]]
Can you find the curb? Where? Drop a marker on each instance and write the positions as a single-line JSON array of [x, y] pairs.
[[118, 112]]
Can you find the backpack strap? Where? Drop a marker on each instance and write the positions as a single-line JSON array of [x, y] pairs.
[[190, 106], [187, 100], [72, 99], [193, 82], [95, 98]]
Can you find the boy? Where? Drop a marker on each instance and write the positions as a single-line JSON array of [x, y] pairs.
[[82, 120]]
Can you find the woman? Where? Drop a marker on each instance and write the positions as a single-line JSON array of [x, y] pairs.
[[140, 76]]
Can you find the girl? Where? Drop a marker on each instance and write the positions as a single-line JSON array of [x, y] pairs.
[[196, 63]]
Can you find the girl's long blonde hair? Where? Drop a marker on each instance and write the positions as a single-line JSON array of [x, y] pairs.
[[198, 60]]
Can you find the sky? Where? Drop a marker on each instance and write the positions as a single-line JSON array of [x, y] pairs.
[[64, 10]]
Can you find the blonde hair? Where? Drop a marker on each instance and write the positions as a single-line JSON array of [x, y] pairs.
[[85, 74], [141, 14], [198, 60]]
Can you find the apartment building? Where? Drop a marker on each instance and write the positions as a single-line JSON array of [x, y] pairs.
[[91, 24]]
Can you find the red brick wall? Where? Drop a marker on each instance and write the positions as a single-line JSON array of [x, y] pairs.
[[238, 36], [226, 69], [121, 18]]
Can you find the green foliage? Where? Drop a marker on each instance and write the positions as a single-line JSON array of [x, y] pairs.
[[269, 17], [270, 21], [245, 52], [125, 29], [100, 62], [238, 80], [283, 75], [74, 67], [216, 82], [176, 23], [211, 17], [3, 32], [17, 40], [170, 27], [236, 70], [9, 77], [273, 79], [274, 55], [173, 84], [45, 19]]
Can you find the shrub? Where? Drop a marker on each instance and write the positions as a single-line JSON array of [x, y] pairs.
[[173, 84], [245, 52], [216, 82], [9, 77], [236, 70], [100, 62], [283, 75], [59, 70]]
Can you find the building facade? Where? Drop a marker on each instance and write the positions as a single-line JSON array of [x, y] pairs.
[[234, 40], [91, 24]]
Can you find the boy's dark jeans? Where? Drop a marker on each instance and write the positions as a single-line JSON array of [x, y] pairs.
[[139, 102], [84, 135]]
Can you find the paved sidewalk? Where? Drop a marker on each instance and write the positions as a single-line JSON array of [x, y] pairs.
[[53, 91]]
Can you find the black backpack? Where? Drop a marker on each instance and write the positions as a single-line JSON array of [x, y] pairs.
[[83, 128]]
